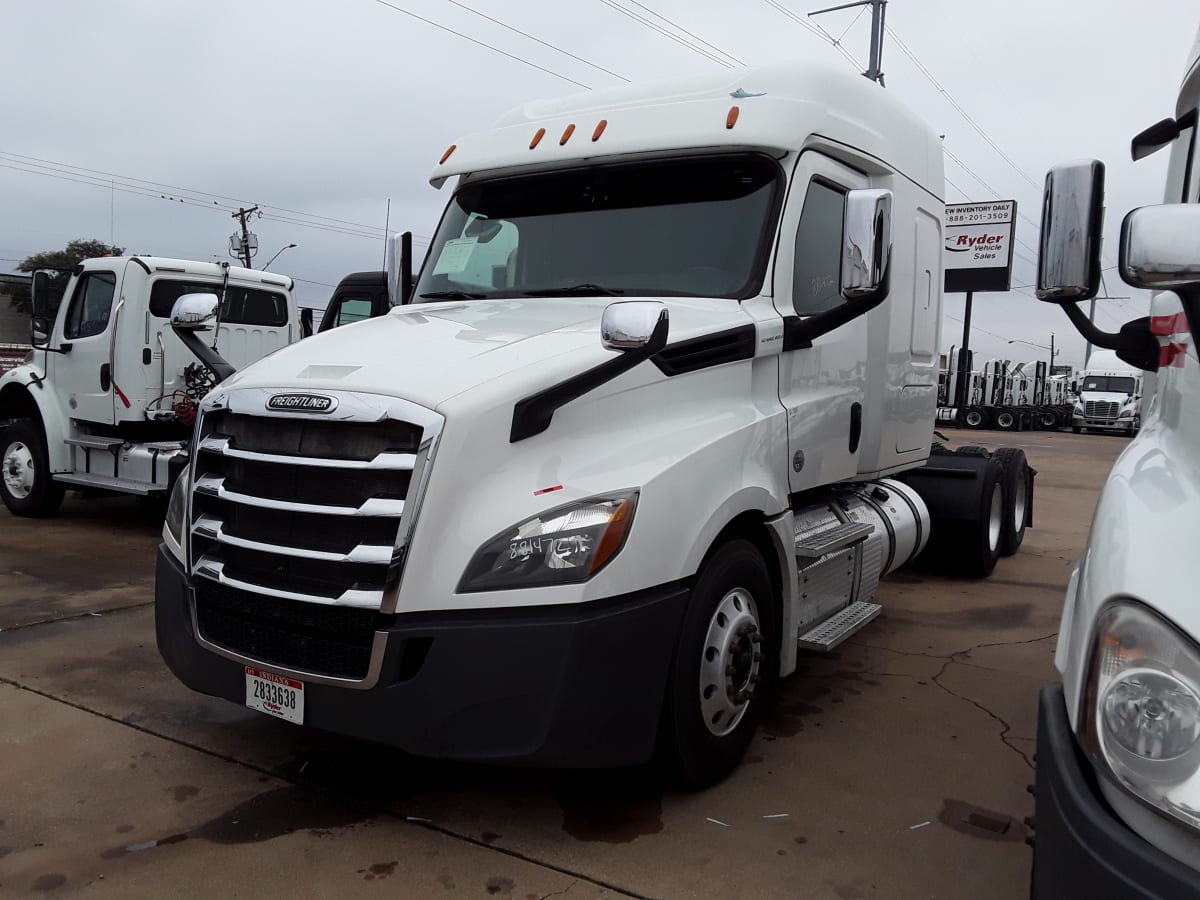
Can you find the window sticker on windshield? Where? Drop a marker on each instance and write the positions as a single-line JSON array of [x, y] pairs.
[[454, 256]]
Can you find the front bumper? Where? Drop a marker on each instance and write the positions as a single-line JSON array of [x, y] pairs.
[[560, 686], [1082, 849]]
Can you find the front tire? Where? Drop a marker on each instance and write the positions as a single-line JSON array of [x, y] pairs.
[[722, 670], [25, 482]]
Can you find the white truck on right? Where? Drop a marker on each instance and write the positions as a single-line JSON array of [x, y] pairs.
[[1118, 754], [1109, 393]]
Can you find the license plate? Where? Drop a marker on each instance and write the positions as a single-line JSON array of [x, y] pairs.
[[275, 695]]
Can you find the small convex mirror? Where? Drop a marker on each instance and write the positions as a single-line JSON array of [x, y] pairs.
[[1072, 219], [193, 312], [1160, 246], [634, 325], [866, 243]]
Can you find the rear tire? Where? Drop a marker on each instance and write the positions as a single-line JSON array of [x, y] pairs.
[[975, 418], [1017, 491], [973, 450], [1006, 421], [983, 536], [26, 485], [709, 715]]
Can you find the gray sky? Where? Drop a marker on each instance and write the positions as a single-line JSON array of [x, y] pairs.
[[327, 109]]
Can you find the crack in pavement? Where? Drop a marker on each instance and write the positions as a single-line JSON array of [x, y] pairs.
[[956, 658], [559, 893], [73, 616], [318, 789]]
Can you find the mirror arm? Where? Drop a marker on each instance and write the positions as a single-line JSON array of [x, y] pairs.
[[206, 354], [1134, 343], [799, 334], [1105, 339], [532, 414]]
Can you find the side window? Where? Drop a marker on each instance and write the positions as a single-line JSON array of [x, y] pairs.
[[353, 309], [816, 273], [91, 306]]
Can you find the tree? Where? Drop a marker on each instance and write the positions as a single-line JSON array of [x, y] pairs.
[[67, 258]]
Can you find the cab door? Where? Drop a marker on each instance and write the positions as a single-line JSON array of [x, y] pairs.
[[83, 377], [823, 387]]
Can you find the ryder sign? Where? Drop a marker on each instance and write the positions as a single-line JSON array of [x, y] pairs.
[[979, 246]]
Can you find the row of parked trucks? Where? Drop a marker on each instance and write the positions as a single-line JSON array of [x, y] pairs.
[[1017, 396]]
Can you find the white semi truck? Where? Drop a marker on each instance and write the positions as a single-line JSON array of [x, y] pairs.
[[1118, 759], [658, 418], [1109, 395], [107, 399]]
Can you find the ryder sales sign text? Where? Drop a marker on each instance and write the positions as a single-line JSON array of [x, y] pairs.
[[978, 249]]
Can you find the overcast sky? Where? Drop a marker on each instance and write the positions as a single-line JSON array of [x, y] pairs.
[[322, 111]]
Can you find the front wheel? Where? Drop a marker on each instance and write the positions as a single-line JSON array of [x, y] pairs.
[[25, 482], [1006, 421], [723, 666]]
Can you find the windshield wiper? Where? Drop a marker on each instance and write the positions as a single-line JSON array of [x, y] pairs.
[[586, 288], [452, 295]]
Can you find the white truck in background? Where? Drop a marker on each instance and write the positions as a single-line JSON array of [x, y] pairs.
[[1118, 757], [108, 397], [659, 418], [1109, 395]]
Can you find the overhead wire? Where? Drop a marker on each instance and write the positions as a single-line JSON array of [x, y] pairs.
[[638, 17], [695, 37]]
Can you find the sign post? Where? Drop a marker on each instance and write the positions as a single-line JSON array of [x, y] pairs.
[[977, 256]]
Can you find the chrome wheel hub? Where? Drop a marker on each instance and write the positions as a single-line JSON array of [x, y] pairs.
[[18, 470], [1022, 489], [729, 662], [995, 517]]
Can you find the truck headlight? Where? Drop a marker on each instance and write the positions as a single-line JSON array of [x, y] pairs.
[[565, 545], [173, 524], [1142, 709]]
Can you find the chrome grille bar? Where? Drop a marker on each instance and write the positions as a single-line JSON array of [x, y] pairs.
[[385, 461], [211, 527], [209, 567], [214, 486]]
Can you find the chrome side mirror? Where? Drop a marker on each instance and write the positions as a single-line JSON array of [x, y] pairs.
[[866, 244], [1072, 220], [193, 312], [39, 332], [1160, 246], [634, 325]]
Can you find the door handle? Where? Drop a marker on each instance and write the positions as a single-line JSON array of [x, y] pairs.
[[105, 377]]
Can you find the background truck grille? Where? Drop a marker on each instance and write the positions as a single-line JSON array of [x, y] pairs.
[[295, 534], [329, 640], [1101, 409]]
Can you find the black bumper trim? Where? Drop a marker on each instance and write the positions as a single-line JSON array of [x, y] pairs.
[[562, 686], [1082, 849]]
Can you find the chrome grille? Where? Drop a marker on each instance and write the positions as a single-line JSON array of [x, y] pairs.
[[1101, 409], [293, 509]]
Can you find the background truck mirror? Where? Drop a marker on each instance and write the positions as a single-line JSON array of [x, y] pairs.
[[194, 312], [1072, 219], [1160, 247]]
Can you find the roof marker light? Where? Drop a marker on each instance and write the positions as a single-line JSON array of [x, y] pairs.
[[570, 130], [603, 123], [541, 132], [446, 155], [731, 119]]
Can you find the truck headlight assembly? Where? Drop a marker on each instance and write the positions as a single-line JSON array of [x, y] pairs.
[[1142, 709], [565, 545], [176, 507]]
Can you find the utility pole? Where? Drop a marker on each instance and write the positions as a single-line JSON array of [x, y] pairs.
[[878, 21], [243, 244]]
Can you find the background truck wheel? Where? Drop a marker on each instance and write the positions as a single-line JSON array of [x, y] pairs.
[[724, 660], [1049, 420], [975, 418], [1006, 421], [1016, 484], [25, 482], [966, 514]]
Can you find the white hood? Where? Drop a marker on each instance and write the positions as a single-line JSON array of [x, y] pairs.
[[431, 352], [1105, 396]]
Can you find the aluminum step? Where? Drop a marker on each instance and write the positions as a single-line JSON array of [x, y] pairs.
[[95, 443], [108, 483], [814, 546], [828, 634]]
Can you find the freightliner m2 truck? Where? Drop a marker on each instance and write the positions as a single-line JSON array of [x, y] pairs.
[[657, 419], [1110, 393], [1118, 759], [108, 397]]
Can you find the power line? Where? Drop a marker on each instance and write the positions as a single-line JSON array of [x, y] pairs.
[[690, 34], [814, 29], [637, 17], [537, 40], [484, 44]]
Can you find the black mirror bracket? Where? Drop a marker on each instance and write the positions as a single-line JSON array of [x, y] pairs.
[[799, 334], [1134, 343]]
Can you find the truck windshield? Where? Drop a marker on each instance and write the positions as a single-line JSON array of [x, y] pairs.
[[1112, 383], [691, 228]]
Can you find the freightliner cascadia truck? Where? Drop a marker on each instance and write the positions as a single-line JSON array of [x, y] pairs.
[[658, 418], [1118, 758]]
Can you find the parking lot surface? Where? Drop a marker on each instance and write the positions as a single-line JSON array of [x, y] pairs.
[[894, 767]]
